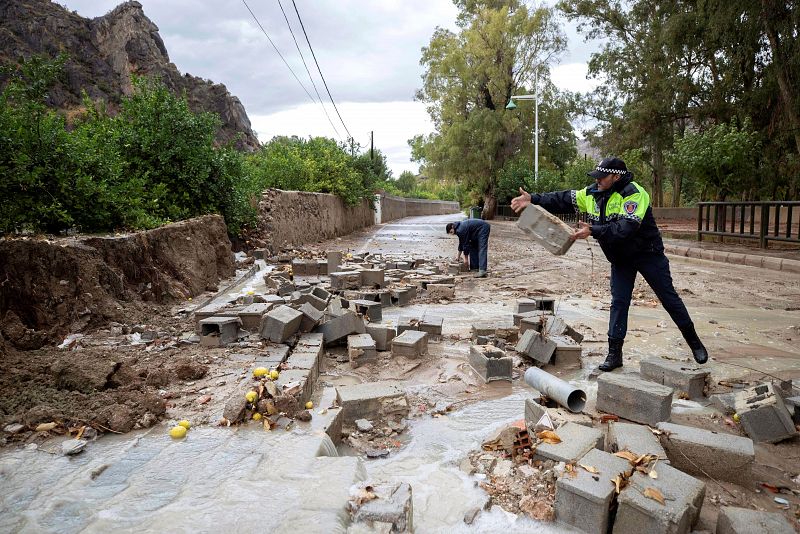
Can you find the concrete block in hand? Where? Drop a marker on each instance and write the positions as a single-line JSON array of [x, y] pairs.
[[637, 439], [688, 377], [280, 324], [411, 344], [732, 520], [635, 399], [698, 451], [361, 349], [584, 501], [535, 346], [576, 440], [490, 363], [382, 334], [546, 229], [683, 498], [763, 414]]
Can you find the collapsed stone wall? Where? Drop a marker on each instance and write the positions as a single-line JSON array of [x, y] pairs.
[[393, 207], [52, 287]]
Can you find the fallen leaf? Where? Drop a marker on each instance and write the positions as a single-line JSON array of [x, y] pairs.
[[652, 493], [655, 431], [628, 455], [652, 474], [80, 432], [619, 483], [589, 468], [548, 436]]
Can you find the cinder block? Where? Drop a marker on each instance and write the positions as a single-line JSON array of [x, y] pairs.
[[763, 415], [683, 497], [219, 331], [214, 310], [330, 421], [296, 379], [733, 520], [321, 293], [407, 323], [695, 450], [530, 323], [482, 329], [361, 349], [275, 300], [556, 326], [526, 306], [309, 298], [793, 404], [311, 317], [281, 323], [345, 280], [305, 267], [441, 291], [681, 376], [546, 229], [371, 400], [637, 439], [576, 440], [532, 315], [302, 359], [402, 296], [373, 278], [311, 341], [454, 268], [368, 308], [568, 353], [411, 344], [382, 335], [340, 327], [334, 261], [490, 363], [392, 507], [535, 346], [252, 315], [546, 304], [633, 398], [322, 267], [432, 325], [584, 501]]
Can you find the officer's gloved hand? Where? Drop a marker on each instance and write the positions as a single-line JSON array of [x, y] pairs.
[[521, 202]]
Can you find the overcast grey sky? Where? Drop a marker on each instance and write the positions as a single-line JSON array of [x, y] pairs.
[[368, 51]]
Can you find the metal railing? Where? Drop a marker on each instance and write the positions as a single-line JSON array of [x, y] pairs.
[[764, 221], [506, 212]]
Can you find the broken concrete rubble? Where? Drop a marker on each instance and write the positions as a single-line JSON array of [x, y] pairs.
[[387, 504], [763, 414], [411, 344], [340, 327], [361, 349], [490, 363], [382, 334], [532, 344], [371, 400], [281, 323]]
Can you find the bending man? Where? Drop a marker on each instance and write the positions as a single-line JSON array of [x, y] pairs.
[[622, 222], [473, 242]]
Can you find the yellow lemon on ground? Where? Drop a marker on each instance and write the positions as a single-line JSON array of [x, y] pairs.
[[178, 432], [258, 372], [256, 416], [309, 405], [185, 424], [251, 396], [274, 374], [736, 417]]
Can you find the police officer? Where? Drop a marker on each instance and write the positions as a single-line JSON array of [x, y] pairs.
[[621, 220], [473, 242]]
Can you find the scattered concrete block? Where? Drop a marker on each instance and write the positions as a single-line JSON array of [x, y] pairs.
[[219, 331], [407, 323], [322, 267], [310, 298], [305, 267], [296, 382], [546, 229], [361, 349], [558, 416], [763, 414], [530, 323], [405, 265], [382, 335], [793, 404], [281, 323], [411, 344], [695, 450], [683, 498], [272, 357], [368, 308], [311, 317], [454, 268], [681, 376], [285, 289], [311, 341], [532, 344], [321, 293], [490, 363], [432, 325], [371, 400], [214, 310], [334, 261], [275, 300], [568, 353], [328, 418], [584, 501], [252, 315], [342, 326], [633, 398], [526, 306], [546, 304], [302, 359], [556, 326], [733, 520], [345, 280], [441, 291], [576, 440], [392, 506], [373, 278], [482, 330], [637, 439], [402, 296], [531, 315]]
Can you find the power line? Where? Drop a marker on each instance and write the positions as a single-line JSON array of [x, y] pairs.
[[318, 69], [278, 51], [307, 71]]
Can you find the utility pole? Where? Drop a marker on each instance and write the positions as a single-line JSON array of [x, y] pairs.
[[371, 145]]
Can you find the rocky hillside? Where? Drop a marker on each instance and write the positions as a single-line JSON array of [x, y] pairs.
[[104, 52]]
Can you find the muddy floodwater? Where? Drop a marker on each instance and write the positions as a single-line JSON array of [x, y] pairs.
[[243, 478]]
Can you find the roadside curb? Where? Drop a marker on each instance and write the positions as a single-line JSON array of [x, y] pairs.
[[735, 258]]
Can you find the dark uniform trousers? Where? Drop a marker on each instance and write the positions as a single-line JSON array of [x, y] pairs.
[[479, 249], [654, 267]]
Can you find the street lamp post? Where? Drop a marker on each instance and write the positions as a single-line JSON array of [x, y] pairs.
[[512, 105]]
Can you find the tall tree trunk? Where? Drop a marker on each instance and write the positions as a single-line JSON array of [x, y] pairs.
[[784, 84], [489, 205], [658, 174]]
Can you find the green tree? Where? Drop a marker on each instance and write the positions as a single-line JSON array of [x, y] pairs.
[[407, 181], [500, 50]]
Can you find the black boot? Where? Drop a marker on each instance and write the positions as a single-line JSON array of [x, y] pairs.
[[698, 350], [614, 358]]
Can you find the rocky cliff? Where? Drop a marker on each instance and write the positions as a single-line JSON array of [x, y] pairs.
[[104, 52]]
